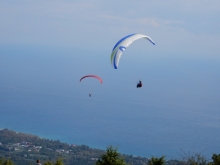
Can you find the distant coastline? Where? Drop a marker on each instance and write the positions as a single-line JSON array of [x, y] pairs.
[[26, 148]]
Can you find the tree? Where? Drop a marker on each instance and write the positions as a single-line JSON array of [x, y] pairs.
[[48, 163], [4, 161], [216, 159], [112, 157], [8, 162], [1, 161], [59, 162], [157, 161], [194, 159]]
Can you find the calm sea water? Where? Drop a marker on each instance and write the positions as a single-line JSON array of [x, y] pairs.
[[176, 111]]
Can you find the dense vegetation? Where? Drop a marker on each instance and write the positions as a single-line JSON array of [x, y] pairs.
[[25, 149]]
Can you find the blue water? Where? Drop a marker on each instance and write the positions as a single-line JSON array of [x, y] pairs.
[[176, 110]]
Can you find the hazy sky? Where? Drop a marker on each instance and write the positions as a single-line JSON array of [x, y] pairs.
[[186, 27]]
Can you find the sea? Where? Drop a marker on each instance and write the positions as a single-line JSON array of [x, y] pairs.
[[175, 113]]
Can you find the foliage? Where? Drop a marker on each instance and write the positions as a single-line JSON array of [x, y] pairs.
[[6, 162], [157, 161], [48, 163], [58, 162], [112, 157], [194, 159], [1, 161], [53, 150], [216, 159]]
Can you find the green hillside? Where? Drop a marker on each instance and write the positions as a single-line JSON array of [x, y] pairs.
[[26, 149]]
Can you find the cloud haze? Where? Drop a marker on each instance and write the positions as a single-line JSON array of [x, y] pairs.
[[183, 26]]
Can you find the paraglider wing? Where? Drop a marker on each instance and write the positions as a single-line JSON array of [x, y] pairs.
[[93, 76], [121, 46]]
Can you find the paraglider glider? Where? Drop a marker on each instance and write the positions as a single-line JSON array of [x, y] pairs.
[[122, 45], [91, 76]]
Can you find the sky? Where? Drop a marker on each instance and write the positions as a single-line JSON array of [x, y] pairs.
[[47, 45], [189, 27]]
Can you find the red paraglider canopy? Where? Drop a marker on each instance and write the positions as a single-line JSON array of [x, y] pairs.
[[90, 75]]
